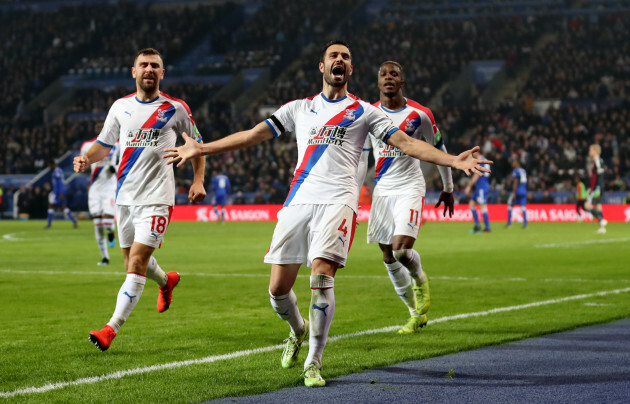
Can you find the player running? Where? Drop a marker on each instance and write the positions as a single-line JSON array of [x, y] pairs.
[[519, 191], [146, 123], [398, 197], [102, 197], [316, 225]]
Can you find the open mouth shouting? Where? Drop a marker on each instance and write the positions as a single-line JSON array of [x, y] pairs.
[[338, 71]]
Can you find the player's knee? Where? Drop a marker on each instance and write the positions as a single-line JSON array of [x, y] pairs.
[[137, 265], [322, 281], [401, 255]]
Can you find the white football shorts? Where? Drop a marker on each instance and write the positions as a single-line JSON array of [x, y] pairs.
[[306, 232], [145, 224], [394, 215], [101, 203]]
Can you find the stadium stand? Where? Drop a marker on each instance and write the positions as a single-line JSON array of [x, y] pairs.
[[539, 79]]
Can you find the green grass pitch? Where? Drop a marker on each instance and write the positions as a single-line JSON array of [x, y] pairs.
[[220, 336]]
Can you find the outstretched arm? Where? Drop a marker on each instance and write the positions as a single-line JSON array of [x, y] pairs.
[[423, 151], [235, 141], [96, 153]]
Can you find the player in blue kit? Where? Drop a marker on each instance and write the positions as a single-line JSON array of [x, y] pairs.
[[481, 184], [519, 191], [57, 198], [221, 189]]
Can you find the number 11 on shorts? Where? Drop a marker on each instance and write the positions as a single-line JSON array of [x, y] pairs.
[[415, 215]]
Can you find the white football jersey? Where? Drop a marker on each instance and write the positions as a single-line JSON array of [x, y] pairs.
[[144, 130], [399, 174], [330, 135], [102, 180]]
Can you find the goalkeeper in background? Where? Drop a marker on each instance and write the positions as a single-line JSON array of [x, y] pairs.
[[595, 169]]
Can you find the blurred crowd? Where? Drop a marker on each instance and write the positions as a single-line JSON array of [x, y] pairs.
[[582, 70]]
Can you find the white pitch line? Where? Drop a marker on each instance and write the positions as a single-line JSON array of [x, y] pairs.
[[265, 275], [11, 237], [214, 358], [579, 243]]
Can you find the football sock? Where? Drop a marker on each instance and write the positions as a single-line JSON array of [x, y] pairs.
[[524, 210], [101, 241], [509, 222], [128, 297], [402, 285], [486, 218], [411, 260], [49, 217], [320, 316], [475, 216], [109, 224], [67, 212], [155, 273], [287, 309]]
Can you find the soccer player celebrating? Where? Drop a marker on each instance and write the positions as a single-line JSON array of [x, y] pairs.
[[146, 123], [481, 185], [316, 225], [596, 170], [102, 197], [57, 197], [398, 197], [519, 191]]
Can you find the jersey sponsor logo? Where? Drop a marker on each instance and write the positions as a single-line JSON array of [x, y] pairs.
[[142, 137], [327, 134], [389, 151]]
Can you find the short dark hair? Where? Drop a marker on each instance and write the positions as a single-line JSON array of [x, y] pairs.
[[398, 65], [331, 43], [147, 51]]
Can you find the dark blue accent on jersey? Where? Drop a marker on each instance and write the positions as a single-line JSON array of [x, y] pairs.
[[147, 102], [387, 161], [275, 134], [390, 110], [312, 160], [133, 157], [105, 144], [391, 132], [333, 101], [357, 114]]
